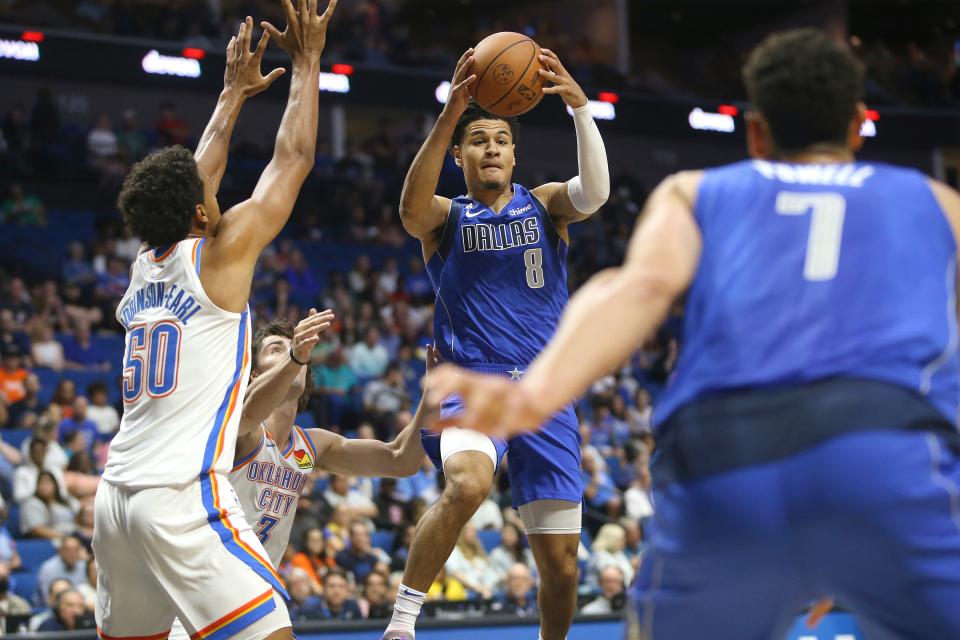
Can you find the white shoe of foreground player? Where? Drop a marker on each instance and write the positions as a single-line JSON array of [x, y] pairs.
[[397, 635]]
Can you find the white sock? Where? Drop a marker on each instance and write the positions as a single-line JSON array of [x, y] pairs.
[[406, 609]]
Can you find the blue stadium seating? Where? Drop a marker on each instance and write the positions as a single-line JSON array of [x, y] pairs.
[[383, 540], [34, 552], [305, 421], [25, 585], [490, 539], [13, 519], [15, 437]]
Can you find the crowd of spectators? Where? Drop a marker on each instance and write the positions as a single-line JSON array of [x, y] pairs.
[[60, 373], [351, 536]]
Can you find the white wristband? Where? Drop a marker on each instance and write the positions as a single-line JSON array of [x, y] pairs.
[[591, 188]]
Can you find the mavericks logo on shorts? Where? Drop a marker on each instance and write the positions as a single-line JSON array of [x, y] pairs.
[[303, 459]]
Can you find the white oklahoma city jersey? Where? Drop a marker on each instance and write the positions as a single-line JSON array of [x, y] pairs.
[[268, 483], [185, 373]]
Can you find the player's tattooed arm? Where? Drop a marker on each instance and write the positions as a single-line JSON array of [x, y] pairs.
[[422, 212], [242, 79]]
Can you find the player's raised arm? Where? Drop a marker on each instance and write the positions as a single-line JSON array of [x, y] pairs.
[[578, 198], [268, 391], [422, 212], [397, 459], [242, 79], [247, 228], [605, 322]]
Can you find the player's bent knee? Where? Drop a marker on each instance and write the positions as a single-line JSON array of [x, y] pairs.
[[468, 491]]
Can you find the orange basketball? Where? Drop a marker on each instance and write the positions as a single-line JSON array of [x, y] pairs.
[[506, 66]]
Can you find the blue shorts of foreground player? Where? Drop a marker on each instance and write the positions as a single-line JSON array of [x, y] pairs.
[[542, 466], [869, 517]]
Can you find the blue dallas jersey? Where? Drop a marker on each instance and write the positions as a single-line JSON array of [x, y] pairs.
[[814, 271], [500, 280]]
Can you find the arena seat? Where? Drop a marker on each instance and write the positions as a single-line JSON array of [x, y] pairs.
[[383, 539], [16, 437], [13, 519], [25, 584], [490, 538], [34, 552]]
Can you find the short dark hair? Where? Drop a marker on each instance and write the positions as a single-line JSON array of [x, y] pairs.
[[284, 329], [159, 196], [334, 573], [475, 112], [806, 86]]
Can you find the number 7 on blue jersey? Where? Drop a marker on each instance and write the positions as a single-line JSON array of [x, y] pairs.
[[826, 229]]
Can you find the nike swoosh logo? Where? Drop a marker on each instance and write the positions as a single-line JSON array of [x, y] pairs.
[[472, 215]]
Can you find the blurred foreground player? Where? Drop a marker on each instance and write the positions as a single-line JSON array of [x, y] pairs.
[[275, 458], [170, 537], [497, 260], [807, 442]]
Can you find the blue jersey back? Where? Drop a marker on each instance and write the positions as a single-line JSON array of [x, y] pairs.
[[815, 271], [500, 280]]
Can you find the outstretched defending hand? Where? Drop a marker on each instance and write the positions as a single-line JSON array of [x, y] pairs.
[[243, 66], [306, 32], [307, 333]]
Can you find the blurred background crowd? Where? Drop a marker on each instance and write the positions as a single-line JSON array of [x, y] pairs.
[[64, 259]]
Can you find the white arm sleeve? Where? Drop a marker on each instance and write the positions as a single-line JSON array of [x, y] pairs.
[[589, 190]]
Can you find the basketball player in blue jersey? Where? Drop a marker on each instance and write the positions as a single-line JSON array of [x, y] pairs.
[[807, 441], [169, 536], [497, 260]]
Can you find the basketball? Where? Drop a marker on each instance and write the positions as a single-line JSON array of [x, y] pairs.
[[506, 66]]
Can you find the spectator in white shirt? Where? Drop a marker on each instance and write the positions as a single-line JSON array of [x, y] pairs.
[[611, 596], [100, 411], [386, 395], [488, 516], [356, 505], [369, 359], [46, 430], [70, 563], [607, 551], [46, 514], [470, 564], [510, 551], [25, 477], [46, 351], [636, 498]]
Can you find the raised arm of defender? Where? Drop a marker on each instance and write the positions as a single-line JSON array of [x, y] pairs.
[[243, 232], [578, 198], [268, 390], [422, 212], [242, 79]]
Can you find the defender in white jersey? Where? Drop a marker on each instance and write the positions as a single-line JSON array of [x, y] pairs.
[[169, 533], [274, 457]]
